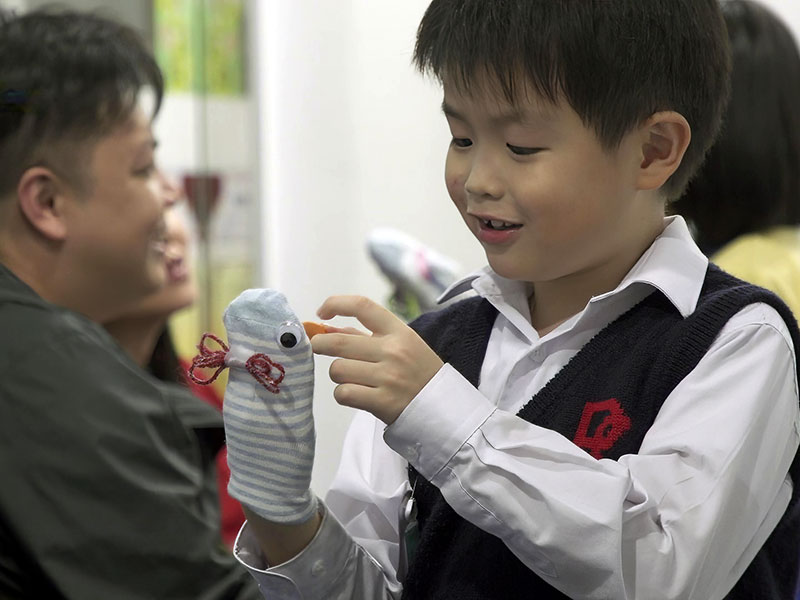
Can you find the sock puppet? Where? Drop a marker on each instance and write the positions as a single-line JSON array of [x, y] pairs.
[[267, 410]]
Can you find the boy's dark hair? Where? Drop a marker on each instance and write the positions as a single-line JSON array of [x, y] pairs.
[[751, 178], [66, 78], [616, 62]]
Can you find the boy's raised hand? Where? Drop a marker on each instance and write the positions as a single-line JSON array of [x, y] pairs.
[[379, 373]]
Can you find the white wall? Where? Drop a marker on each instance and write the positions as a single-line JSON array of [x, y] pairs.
[[788, 10], [351, 139], [14, 5]]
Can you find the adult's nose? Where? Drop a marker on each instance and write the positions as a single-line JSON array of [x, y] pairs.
[[171, 190]]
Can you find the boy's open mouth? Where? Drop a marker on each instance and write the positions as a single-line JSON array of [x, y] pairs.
[[496, 225]]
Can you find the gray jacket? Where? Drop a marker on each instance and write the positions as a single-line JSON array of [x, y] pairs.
[[107, 480]]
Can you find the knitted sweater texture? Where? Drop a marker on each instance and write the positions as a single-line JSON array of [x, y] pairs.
[[604, 400]]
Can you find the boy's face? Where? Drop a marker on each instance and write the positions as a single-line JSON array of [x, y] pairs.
[[537, 189], [116, 238]]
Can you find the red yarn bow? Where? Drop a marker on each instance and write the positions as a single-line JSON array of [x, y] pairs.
[[260, 366], [208, 359]]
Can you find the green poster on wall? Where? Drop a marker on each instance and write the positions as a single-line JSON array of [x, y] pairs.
[[200, 45]]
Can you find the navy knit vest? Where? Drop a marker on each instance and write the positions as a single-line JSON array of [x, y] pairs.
[[605, 399]]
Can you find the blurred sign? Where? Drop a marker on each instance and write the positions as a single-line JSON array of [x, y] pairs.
[[200, 45]]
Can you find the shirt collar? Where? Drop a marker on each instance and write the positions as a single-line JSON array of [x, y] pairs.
[[673, 264], [463, 285]]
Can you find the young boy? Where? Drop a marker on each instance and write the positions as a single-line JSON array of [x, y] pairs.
[[109, 489], [611, 417]]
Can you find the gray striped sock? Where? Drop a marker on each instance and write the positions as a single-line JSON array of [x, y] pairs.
[[270, 436]]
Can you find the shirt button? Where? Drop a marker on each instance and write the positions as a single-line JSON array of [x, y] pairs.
[[537, 355], [318, 568]]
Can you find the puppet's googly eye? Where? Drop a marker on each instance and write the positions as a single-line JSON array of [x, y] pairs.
[[290, 334]]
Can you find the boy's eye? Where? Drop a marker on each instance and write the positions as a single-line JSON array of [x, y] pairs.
[[462, 142], [519, 150]]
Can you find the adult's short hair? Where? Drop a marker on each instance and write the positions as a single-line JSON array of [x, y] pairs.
[[750, 180], [616, 62], [66, 78]]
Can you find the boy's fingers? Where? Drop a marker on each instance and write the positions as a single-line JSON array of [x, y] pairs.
[[345, 345], [347, 330], [354, 396], [343, 370], [372, 315], [363, 398]]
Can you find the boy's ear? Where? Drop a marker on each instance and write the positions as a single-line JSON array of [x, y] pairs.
[[665, 138], [42, 201]]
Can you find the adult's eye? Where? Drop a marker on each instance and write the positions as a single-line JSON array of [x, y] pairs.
[[290, 334], [145, 171]]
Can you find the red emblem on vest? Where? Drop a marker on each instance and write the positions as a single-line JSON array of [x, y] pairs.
[[602, 424]]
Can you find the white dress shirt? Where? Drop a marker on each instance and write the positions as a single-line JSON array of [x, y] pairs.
[[680, 519]]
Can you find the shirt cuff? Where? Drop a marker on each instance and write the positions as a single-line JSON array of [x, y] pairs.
[[438, 422], [310, 574]]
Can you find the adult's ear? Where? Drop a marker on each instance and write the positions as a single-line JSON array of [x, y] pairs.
[[665, 138], [41, 195]]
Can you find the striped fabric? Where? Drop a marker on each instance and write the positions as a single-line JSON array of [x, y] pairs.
[[270, 435]]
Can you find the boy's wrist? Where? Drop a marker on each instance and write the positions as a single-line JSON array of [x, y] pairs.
[[438, 422], [281, 542]]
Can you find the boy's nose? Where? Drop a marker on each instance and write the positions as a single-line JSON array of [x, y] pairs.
[[483, 180]]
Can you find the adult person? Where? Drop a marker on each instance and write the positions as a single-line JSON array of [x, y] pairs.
[[108, 490], [143, 331]]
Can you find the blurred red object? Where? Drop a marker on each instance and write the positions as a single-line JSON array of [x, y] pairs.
[[202, 193]]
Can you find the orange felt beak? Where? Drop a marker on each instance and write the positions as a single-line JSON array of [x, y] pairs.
[[313, 328]]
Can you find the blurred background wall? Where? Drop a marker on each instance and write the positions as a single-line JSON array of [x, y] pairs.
[[351, 139], [318, 131]]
